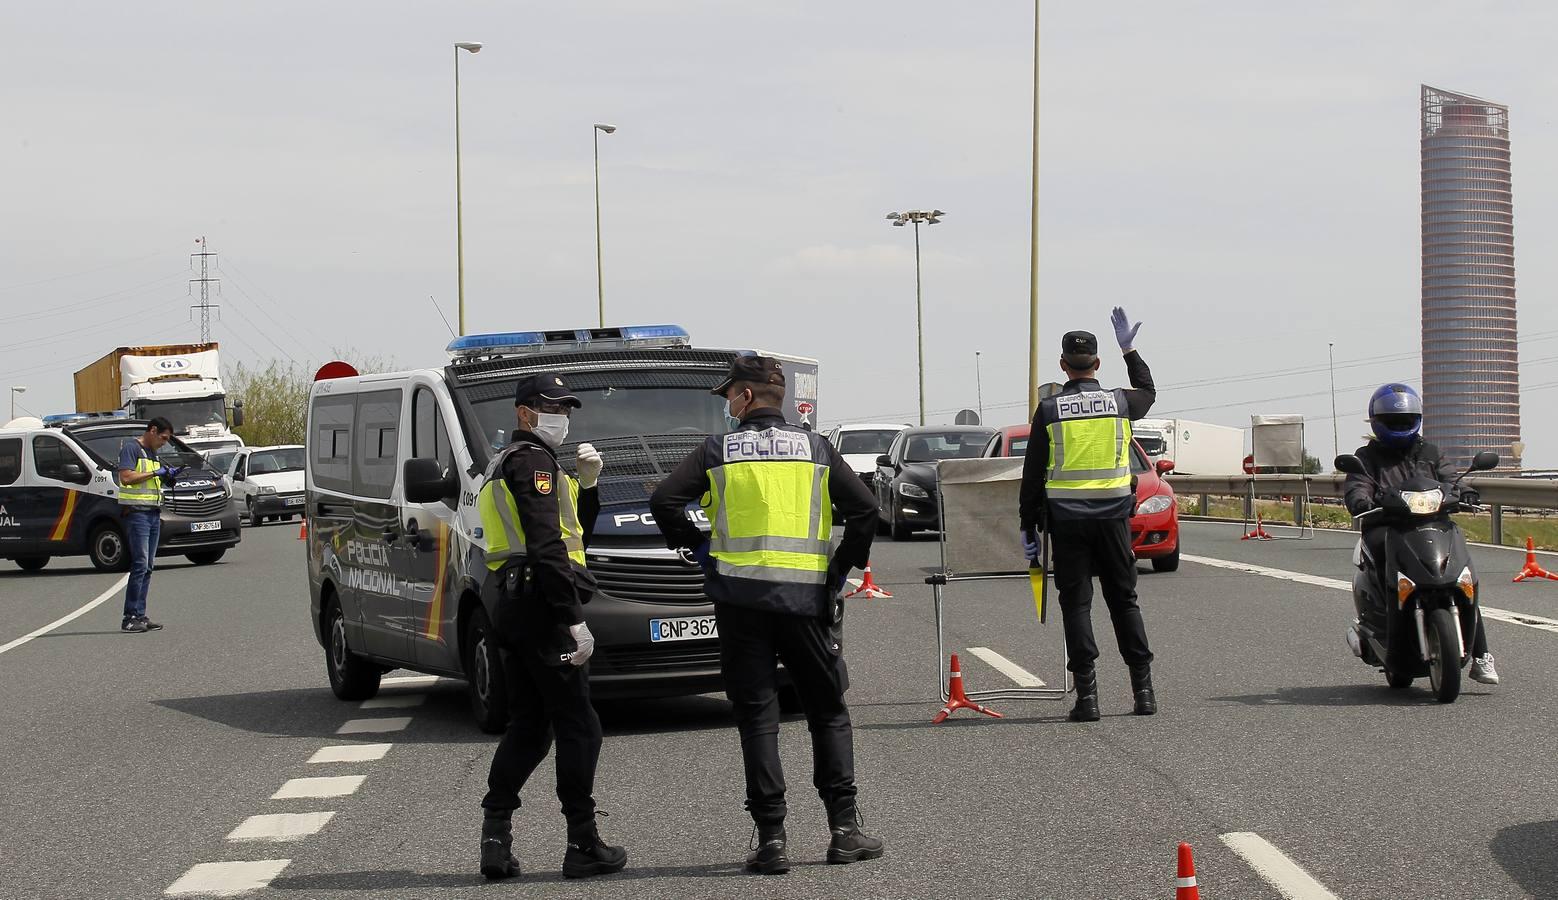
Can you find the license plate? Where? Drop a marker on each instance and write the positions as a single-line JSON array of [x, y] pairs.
[[294, 501], [205, 526], [691, 628]]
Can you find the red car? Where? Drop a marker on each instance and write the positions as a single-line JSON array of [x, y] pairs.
[[1154, 527]]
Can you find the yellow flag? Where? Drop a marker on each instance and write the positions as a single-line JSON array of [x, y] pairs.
[[1036, 581]]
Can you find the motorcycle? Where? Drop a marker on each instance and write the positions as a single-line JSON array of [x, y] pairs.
[[1428, 586]]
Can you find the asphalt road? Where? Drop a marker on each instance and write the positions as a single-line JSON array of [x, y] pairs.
[[129, 760]]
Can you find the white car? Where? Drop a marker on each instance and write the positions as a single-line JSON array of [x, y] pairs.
[[860, 445], [267, 482]]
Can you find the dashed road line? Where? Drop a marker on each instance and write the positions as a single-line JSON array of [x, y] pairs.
[[317, 787], [374, 726], [394, 701], [1287, 876], [350, 753], [280, 827], [227, 879], [1006, 667], [101, 598]]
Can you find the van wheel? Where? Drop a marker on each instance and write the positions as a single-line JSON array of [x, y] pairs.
[[32, 563], [206, 557], [484, 675], [351, 676], [1168, 563], [107, 549]]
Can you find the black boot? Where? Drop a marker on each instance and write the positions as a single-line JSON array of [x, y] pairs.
[[848, 843], [588, 855], [768, 856], [1086, 708], [1141, 687], [497, 841]]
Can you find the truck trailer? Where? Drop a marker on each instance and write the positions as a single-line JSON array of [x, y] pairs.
[[180, 382], [1197, 448]]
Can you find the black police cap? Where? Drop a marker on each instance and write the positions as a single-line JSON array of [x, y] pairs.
[[546, 386], [1079, 343], [756, 369]]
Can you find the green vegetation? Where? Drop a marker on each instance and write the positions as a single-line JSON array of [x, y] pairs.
[[1479, 528]]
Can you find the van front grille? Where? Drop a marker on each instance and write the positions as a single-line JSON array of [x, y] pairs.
[[650, 580]]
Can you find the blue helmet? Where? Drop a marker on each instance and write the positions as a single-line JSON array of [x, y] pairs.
[[1396, 413]]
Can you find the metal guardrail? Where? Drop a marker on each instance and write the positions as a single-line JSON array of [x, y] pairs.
[[1497, 493]]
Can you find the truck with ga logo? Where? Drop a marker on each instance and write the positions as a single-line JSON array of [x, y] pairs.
[[179, 382]]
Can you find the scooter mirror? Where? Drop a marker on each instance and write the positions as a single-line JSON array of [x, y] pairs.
[[1349, 464], [1484, 461]]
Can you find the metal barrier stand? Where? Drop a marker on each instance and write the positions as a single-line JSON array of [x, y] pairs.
[[938, 584]]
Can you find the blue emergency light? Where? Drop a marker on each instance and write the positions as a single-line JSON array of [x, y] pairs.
[[512, 343]]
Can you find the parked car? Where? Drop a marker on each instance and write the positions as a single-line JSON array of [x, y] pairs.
[[1154, 527], [905, 480], [267, 482], [860, 445]]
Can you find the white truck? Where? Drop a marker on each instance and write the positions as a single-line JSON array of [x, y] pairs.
[[180, 382], [1197, 448]]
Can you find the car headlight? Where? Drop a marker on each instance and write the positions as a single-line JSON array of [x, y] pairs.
[[266, 489], [1423, 503], [908, 489], [1155, 504]]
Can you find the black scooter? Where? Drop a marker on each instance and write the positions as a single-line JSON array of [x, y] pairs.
[[1429, 588]]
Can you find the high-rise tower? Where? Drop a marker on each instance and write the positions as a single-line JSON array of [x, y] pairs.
[[1471, 366]]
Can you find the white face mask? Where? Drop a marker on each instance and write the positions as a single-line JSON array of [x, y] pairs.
[[552, 428]]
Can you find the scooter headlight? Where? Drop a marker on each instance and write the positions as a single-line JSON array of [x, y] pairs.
[[1423, 503], [1404, 588], [1467, 583]]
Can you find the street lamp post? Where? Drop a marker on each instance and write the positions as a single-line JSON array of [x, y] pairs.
[[1033, 253], [979, 388], [16, 389], [1330, 349], [915, 217], [459, 203], [600, 285]]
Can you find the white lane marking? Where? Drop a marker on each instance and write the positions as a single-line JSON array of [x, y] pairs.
[[118, 586], [374, 726], [227, 879], [1273, 865], [280, 827], [350, 753], [409, 681], [1006, 667], [394, 701], [1541, 623], [318, 787]]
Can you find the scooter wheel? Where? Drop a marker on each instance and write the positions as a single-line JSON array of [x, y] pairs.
[[1397, 681]]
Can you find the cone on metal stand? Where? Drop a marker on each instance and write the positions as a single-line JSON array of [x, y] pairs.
[[869, 588], [1185, 884], [1532, 568], [1259, 534], [957, 699]]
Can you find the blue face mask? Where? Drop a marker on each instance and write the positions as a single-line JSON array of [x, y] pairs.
[[732, 420]]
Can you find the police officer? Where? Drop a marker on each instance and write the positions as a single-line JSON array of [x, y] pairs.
[[768, 488], [537, 521], [1077, 479]]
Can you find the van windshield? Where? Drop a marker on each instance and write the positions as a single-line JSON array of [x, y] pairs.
[[618, 412], [104, 443], [269, 462], [874, 443]]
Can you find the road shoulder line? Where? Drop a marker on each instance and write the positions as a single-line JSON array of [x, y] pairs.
[[1272, 864], [117, 587], [1006, 667]]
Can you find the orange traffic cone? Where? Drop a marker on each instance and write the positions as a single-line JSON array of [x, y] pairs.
[[1185, 884], [869, 587], [1259, 534], [303, 531], [1532, 568], [959, 700]]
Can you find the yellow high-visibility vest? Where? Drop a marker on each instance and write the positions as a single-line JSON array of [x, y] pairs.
[[770, 509], [143, 493], [500, 516], [1090, 446]]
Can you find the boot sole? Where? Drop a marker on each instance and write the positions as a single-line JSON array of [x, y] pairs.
[[593, 869], [845, 857], [498, 873], [775, 867]]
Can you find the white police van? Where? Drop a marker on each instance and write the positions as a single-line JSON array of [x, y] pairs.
[[395, 545], [59, 496]]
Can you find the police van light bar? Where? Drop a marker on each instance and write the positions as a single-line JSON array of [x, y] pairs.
[[514, 343]]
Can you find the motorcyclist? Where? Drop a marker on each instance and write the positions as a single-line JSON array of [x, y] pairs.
[[1396, 454]]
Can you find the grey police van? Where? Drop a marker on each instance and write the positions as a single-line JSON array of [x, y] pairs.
[[395, 545]]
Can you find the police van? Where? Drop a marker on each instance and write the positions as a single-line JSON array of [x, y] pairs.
[[395, 544], [59, 496]]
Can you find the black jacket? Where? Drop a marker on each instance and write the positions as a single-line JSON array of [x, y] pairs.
[[1386, 467], [690, 482], [1032, 503]]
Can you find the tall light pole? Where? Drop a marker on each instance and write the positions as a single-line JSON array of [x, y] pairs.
[[16, 389], [1033, 255], [600, 284], [915, 217], [979, 388], [1330, 349], [459, 203]]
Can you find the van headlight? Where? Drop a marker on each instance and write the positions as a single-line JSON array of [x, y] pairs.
[[1423, 503], [266, 489], [1155, 504], [908, 489]]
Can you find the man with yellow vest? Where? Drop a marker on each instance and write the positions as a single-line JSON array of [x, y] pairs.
[[1077, 485], [768, 489], [536, 521], [142, 477]]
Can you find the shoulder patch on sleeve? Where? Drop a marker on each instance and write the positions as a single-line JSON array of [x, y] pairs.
[[543, 481]]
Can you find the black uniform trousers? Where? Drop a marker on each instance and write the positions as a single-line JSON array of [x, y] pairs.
[[1082, 549], [544, 699], [752, 641]]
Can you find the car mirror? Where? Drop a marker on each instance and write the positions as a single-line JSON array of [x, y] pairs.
[[237, 476], [427, 481], [238, 414], [1348, 463], [1165, 466], [1484, 461], [885, 461], [74, 472]]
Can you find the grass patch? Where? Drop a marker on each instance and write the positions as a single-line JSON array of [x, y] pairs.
[[1478, 527]]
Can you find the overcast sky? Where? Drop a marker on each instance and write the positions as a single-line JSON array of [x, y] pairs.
[[1242, 177]]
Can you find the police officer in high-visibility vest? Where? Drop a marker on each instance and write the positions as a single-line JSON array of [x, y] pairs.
[[1077, 485], [536, 521], [768, 489]]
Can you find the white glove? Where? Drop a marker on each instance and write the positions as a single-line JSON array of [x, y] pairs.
[[590, 464], [585, 640]]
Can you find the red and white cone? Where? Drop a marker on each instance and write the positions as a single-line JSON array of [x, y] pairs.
[[1259, 534], [1532, 568], [869, 588], [303, 531], [958, 699], [1185, 885]]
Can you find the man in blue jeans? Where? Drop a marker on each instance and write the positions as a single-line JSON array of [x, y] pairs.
[[141, 476]]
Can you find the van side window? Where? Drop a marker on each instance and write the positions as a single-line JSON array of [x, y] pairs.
[[49, 455], [330, 444], [429, 439], [377, 438], [10, 460]]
